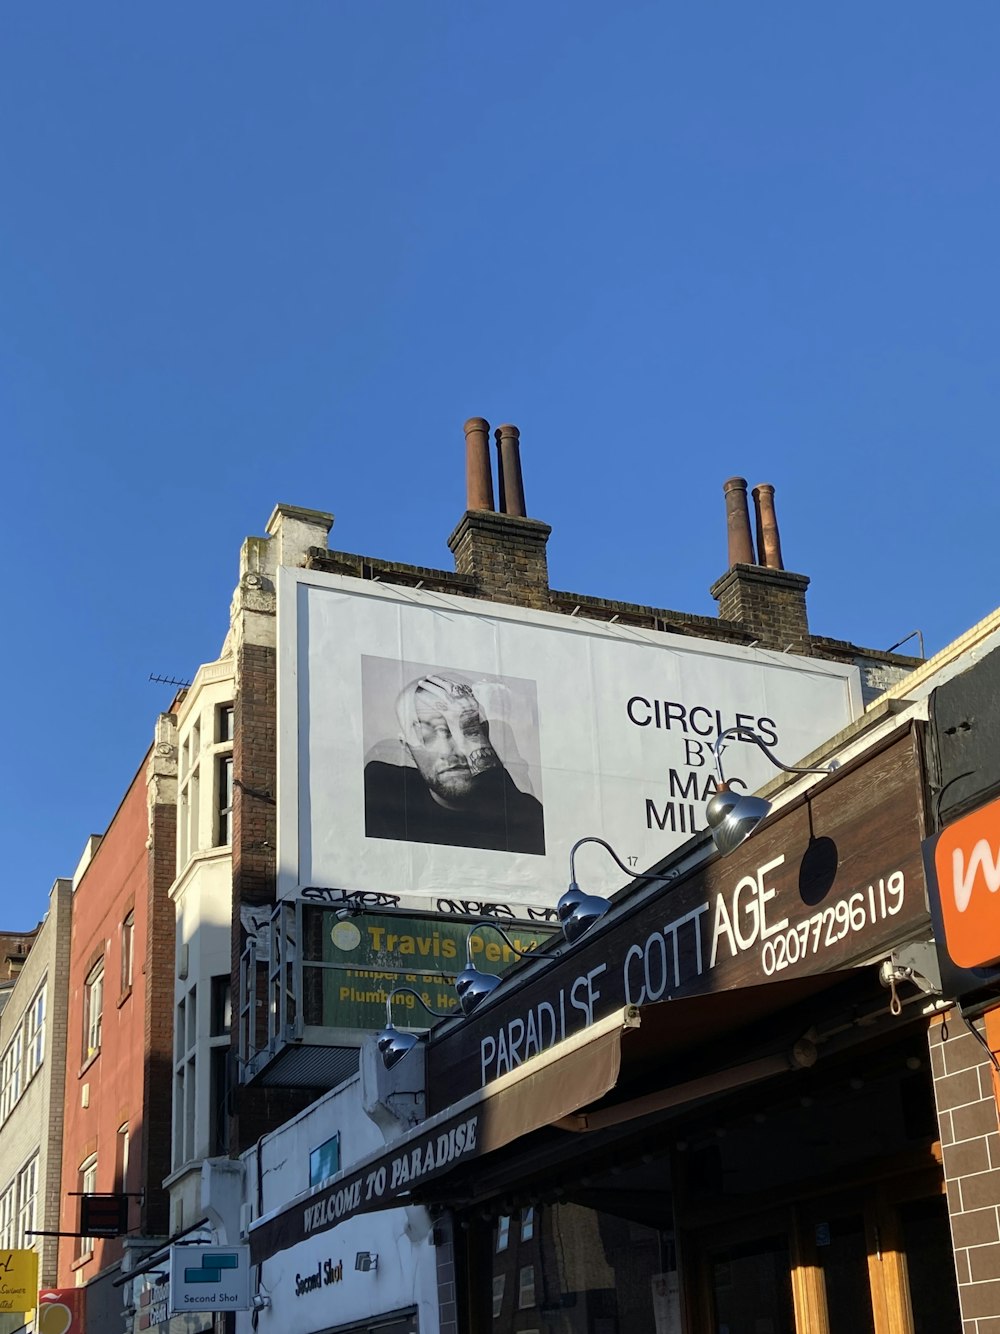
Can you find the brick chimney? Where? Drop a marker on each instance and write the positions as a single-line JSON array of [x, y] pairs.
[[760, 594], [505, 551]]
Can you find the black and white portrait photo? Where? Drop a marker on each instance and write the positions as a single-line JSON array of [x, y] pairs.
[[451, 757]]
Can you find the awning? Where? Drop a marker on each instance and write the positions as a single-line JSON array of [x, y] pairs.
[[571, 1075], [559, 1088]]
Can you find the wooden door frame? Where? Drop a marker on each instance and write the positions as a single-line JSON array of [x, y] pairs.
[[875, 1203]]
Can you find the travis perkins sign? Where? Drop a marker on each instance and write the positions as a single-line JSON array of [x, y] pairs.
[[832, 882]]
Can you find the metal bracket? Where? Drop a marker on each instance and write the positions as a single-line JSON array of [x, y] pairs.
[[915, 963]]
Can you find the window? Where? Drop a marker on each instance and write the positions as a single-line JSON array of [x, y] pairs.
[[526, 1294], [218, 1101], [205, 783], [10, 1075], [128, 932], [527, 1223], [224, 798], [93, 1006], [222, 1005], [7, 1219], [86, 1185], [185, 1069], [27, 1196], [225, 718], [499, 1283], [34, 1025], [324, 1161], [503, 1232], [121, 1159]]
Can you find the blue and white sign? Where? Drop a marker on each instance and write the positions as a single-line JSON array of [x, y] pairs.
[[209, 1278]]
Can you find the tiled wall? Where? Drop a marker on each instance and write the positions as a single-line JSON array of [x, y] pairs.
[[970, 1139]]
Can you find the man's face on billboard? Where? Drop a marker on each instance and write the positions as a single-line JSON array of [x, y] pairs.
[[449, 739]]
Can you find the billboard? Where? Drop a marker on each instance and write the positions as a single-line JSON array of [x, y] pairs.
[[433, 747], [350, 965]]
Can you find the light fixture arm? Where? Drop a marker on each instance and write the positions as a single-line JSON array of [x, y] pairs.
[[476, 926], [636, 875], [399, 991], [745, 734]]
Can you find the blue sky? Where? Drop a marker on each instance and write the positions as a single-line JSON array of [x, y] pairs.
[[257, 252]]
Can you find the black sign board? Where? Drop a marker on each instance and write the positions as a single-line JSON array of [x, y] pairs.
[[103, 1215]]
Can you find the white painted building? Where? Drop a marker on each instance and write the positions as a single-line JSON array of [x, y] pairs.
[[32, 1080], [202, 896], [374, 1272]]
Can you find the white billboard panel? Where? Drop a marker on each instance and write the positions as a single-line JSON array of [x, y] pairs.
[[433, 746]]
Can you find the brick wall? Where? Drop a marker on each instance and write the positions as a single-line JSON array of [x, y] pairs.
[[970, 1139], [444, 1233], [771, 604], [256, 1111], [505, 554], [158, 1019]]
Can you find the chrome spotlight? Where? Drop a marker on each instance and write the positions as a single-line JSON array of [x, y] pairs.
[[733, 816], [472, 985], [391, 1043], [578, 911]]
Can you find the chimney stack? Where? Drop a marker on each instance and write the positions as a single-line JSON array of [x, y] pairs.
[[767, 600], [478, 477], [738, 522], [509, 471], [503, 552], [768, 541]]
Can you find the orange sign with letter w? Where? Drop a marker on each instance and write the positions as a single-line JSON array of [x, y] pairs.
[[967, 861]]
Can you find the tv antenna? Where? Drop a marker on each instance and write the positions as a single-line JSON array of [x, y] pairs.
[[169, 681]]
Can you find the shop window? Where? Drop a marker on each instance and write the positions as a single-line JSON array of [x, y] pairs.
[[35, 1034], [324, 1161], [93, 1006], [127, 937], [600, 1267]]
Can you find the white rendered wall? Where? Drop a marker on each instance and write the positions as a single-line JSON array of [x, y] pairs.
[[202, 895], [407, 1273]]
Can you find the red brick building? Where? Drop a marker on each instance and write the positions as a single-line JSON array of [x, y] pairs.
[[117, 1110]]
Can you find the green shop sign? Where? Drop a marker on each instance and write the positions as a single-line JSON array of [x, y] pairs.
[[351, 964]]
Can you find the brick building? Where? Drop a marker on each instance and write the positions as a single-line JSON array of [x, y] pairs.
[[226, 735], [119, 1031], [500, 557], [32, 1080]]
